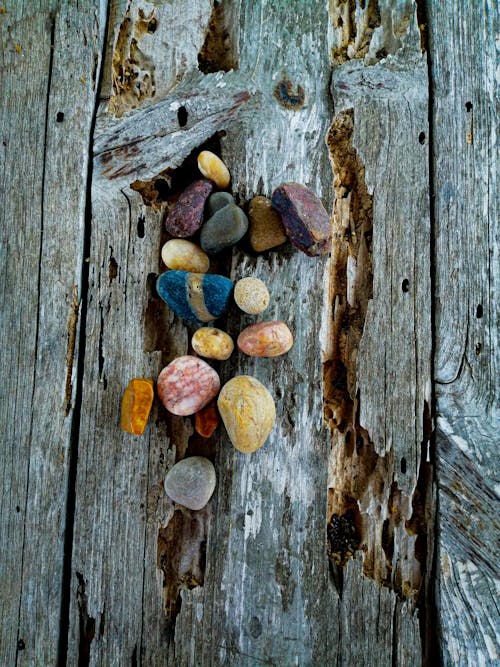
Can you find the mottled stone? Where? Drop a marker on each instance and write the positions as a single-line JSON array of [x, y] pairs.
[[248, 412], [186, 216], [191, 482], [183, 255], [266, 339], [212, 343], [136, 405], [266, 228], [306, 222], [251, 295], [212, 167], [195, 297], [217, 201], [224, 229], [206, 420], [187, 384]]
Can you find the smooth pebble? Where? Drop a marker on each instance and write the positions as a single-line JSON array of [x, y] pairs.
[[183, 255], [136, 405], [191, 482], [206, 420], [248, 412], [266, 339], [251, 295], [217, 201], [187, 384], [212, 343], [195, 297], [212, 167], [224, 229], [186, 216], [306, 222], [266, 228]]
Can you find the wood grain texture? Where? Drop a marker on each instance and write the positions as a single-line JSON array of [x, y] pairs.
[[464, 59], [49, 54]]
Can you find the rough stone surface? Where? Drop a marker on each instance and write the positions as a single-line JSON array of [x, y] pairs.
[[212, 343], [251, 295], [306, 222], [224, 229], [195, 297], [212, 167], [186, 216], [187, 384], [217, 201], [191, 482], [182, 255], [136, 405], [248, 412], [266, 339], [266, 228]]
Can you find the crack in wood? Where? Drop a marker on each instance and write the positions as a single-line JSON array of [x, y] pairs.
[[70, 353], [86, 624]]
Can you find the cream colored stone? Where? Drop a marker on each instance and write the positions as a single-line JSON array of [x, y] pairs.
[[182, 255], [251, 295], [248, 412], [212, 343], [212, 167]]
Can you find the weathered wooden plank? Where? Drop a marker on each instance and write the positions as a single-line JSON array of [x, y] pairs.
[[50, 58], [464, 61]]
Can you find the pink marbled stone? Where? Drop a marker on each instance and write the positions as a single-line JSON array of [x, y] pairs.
[[187, 384], [266, 339]]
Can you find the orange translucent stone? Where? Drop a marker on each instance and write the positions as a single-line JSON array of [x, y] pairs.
[[206, 420], [136, 405]]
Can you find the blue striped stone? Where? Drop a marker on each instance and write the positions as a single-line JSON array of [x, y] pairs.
[[195, 297]]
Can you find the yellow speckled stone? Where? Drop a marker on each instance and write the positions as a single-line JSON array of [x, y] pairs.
[[212, 167], [212, 343], [182, 255], [248, 412], [251, 295]]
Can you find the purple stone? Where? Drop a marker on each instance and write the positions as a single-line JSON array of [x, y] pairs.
[[306, 222], [187, 215]]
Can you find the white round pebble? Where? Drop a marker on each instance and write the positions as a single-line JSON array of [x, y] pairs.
[[251, 295]]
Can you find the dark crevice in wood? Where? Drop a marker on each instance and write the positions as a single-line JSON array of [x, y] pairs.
[[86, 624], [218, 52], [72, 328], [67, 578]]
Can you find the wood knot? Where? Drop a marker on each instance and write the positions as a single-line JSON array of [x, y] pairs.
[[288, 99]]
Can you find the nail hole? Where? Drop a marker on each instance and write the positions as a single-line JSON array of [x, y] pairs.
[[468, 107], [140, 227], [21, 645], [182, 116], [479, 311], [18, 509], [479, 347], [60, 117], [152, 25], [403, 466], [405, 285], [421, 137]]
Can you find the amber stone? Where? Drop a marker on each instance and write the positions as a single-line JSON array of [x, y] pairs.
[[206, 420], [266, 228], [136, 405]]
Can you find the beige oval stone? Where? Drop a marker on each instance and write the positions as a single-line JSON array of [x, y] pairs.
[[212, 167], [266, 339], [266, 228], [248, 412], [181, 255], [212, 343], [251, 295]]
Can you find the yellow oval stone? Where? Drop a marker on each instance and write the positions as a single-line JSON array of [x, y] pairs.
[[212, 343], [251, 295], [248, 412], [212, 167], [182, 255]]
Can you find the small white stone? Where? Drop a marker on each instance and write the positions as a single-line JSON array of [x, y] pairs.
[[251, 295]]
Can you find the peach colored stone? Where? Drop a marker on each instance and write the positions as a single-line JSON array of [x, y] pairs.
[[187, 384], [266, 339]]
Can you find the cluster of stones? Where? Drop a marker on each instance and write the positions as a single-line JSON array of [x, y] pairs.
[[189, 385]]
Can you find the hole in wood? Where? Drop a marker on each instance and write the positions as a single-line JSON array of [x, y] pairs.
[[182, 116], [421, 138], [218, 52], [152, 25], [140, 227], [403, 466], [479, 311], [479, 347], [60, 117], [468, 107], [18, 509], [405, 285]]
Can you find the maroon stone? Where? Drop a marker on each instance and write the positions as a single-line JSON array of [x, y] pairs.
[[306, 222], [187, 215]]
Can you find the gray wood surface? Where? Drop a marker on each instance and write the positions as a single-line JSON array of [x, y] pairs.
[[321, 548], [465, 116]]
